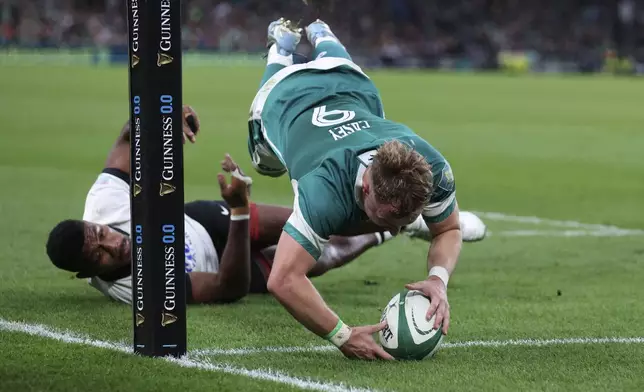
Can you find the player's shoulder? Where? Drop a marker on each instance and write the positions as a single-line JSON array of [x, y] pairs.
[[438, 162], [442, 174], [108, 200], [425, 148], [111, 178], [326, 193]]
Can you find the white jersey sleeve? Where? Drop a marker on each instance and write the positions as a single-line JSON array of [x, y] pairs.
[[108, 202]]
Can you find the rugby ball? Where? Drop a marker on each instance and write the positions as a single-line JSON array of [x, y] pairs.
[[409, 335]]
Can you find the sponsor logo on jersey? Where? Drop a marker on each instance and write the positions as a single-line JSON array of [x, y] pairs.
[[446, 181]]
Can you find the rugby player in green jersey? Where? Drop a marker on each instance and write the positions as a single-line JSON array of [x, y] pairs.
[[352, 171]]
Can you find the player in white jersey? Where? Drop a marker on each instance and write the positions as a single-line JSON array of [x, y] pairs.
[[225, 259]]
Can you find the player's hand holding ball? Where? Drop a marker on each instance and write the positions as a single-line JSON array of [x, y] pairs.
[[361, 344], [237, 193], [190, 124], [434, 288]]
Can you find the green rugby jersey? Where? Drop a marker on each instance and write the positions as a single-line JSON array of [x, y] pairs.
[[325, 124]]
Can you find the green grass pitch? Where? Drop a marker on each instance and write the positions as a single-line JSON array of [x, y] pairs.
[[565, 149]]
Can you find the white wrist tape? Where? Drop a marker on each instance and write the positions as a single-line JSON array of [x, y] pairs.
[[340, 334], [441, 272], [237, 174], [239, 217]]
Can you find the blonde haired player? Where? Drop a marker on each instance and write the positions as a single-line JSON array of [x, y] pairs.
[[352, 171]]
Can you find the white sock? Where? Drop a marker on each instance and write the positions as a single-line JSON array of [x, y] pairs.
[[327, 39], [275, 58], [417, 225]]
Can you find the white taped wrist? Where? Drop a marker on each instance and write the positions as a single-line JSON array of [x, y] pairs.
[[237, 174], [240, 217], [441, 273], [340, 334]]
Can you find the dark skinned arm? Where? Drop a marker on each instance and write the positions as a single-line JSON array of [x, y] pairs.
[[232, 282], [339, 252], [119, 156], [342, 250]]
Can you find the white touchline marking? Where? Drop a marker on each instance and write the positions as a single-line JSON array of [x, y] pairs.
[[564, 233], [499, 216], [447, 345], [258, 350], [186, 361]]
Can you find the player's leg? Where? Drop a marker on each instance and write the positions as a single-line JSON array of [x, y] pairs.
[[338, 252], [266, 221], [283, 38], [325, 43], [342, 250], [472, 228]]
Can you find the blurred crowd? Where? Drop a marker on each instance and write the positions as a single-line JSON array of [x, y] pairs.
[[397, 32]]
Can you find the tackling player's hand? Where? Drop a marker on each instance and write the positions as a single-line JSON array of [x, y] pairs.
[[190, 124], [434, 288], [361, 344], [237, 193]]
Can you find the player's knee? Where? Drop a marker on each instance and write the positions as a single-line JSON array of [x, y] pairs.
[[273, 283], [280, 284]]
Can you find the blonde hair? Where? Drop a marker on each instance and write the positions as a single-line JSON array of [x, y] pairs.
[[402, 178]]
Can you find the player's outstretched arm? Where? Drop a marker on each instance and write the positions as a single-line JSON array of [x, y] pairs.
[[441, 260], [119, 156], [289, 283], [232, 282]]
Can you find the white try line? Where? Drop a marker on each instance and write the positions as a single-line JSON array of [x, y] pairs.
[[582, 229], [187, 362], [447, 345]]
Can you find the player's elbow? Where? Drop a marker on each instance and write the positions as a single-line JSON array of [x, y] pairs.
[[234, 290], [217, 288], [230, 297]]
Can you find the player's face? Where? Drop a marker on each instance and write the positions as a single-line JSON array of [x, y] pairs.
[[383, 216], [105, 249]]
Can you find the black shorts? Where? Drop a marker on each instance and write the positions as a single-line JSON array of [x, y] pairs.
[[214, 216]]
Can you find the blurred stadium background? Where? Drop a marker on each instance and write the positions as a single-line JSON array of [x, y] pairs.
[[543, 36]]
